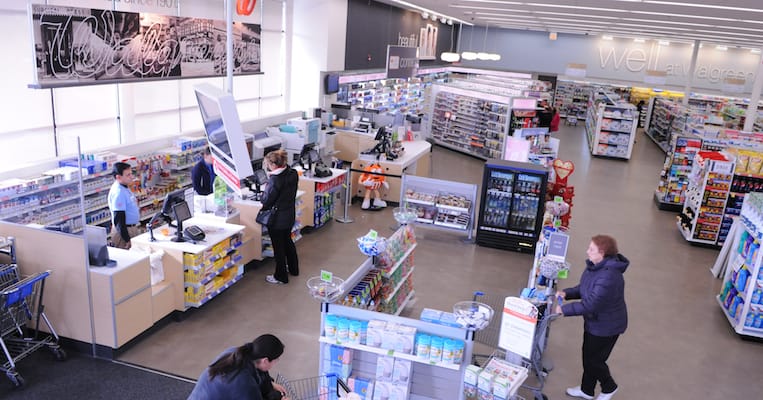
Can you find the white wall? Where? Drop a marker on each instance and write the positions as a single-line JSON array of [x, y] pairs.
[[318, 45], [620, 59]]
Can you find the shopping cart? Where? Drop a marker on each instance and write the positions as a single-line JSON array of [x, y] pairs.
[[324, 387], [20, 304], [538, 366]]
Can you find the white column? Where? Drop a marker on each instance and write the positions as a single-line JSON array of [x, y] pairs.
[[288, 51], [752, 108], [229, 46], [692, 71]]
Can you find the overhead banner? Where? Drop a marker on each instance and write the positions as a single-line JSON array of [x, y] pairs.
[[402, 62], [78, 46]]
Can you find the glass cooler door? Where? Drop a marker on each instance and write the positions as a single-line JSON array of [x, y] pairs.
[[526, 200], [498, 198]]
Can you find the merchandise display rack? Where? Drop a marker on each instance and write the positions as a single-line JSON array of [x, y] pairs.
[[610, 126], [439, 203], [741, 297], [209, 273], [701, 220], [470, 122], [571, 98]]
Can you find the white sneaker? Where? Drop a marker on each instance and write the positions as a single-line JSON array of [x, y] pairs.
[[366, 204], [380, 203], [576, 392], [607, 396]]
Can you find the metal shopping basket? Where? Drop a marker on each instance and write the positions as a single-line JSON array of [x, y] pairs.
[[20, 304], [538, 366], [324, 387]]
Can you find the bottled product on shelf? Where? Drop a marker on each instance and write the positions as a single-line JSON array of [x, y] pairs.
[[701, 220], [741, 296], [610, 125], [208, 273]]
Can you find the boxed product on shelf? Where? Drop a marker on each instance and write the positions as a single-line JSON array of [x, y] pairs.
[[364, 387], [89, 167], [401, 372], [420, 197], [471, 379]]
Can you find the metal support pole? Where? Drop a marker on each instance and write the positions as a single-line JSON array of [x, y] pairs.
[[752, 108], [345, 219]]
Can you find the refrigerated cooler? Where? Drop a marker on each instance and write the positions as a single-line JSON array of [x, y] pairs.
[[512, 205]]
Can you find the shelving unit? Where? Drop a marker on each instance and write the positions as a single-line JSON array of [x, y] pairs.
[[323, 192], [384, 95], [610, 126], [470, 122], [397, 265], [427, 380], [440, 204], [53, 199], [571, 98], [701, 219], [741, 297], [670, 194]]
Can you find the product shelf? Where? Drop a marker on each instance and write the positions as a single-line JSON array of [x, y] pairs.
[[405, 302], [390, 353], [214, 293], [399, 262], [399, 285]]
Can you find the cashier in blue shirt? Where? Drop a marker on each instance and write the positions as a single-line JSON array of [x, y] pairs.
[[125, 214], [203, 177]]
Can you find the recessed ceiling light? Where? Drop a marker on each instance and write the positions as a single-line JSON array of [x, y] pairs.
[[664, 43]]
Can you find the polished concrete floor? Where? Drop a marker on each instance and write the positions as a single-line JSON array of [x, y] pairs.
[[679, 345]]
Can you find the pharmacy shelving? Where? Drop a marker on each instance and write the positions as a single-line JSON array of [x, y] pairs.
[[670, 194], [701, 220], [741, 296], [397, 265], [468, 121], [610, 126]]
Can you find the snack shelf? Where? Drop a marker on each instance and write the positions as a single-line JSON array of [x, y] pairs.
[[399, 262], [399, 285], [405, 302]]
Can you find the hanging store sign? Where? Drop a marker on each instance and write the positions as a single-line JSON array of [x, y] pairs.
[[76, 46], [402, 62], [576, 70], [653, 77]]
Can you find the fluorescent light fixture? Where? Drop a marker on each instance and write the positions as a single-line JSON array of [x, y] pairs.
[[639, 40], [755, 51], [483, 56], [676, 3], [664, 43], [495, 57], [721, 48], [469, 55], [617, 10], [450, 57], [607, 37], [412, 6]]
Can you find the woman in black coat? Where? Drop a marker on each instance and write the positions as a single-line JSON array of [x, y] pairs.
[[602, 304], [280, 194]]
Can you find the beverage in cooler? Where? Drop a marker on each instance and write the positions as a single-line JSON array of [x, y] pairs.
[[511, 211]]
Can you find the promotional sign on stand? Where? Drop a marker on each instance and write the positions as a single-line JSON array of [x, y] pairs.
[[518, 326]]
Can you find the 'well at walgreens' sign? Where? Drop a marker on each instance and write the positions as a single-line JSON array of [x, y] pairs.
[[77, 46]]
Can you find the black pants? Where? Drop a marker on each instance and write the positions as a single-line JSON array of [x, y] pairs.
[[285, 254], [596, 351]]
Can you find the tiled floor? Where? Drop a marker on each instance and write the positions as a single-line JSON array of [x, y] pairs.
[[679, 345]]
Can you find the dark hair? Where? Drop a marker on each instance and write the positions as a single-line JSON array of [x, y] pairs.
[[265, 346], [607, 245], [119, 168], [207, 151], [278, 158]]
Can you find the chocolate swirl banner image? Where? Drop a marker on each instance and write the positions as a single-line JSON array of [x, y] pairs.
[[80, 46]]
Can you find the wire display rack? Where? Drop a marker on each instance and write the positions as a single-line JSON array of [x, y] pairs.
[[323, 387], [490, 336]]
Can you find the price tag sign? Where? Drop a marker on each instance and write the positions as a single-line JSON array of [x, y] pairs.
[[327, 276], [558, 199], [518, 326]]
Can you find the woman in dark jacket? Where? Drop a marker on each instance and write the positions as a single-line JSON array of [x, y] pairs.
[[280, 194], [242, 373], [602, 304]]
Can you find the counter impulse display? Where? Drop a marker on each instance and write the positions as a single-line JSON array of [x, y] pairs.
[[701, 220], [471, 122], [440, 203], [741, 297], [513, 197]]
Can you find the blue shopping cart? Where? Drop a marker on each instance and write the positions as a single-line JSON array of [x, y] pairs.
[[20, 305]]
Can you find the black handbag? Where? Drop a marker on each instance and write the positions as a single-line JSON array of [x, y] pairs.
[[266, 216]]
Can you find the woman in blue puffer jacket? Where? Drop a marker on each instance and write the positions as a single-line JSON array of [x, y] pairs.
[[602, 304]]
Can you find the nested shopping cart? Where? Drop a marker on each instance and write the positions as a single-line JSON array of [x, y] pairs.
[[538, 365], [20, 305], [324, 387]]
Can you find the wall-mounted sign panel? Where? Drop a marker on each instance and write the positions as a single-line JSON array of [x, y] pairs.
[[79, 46], [402, 62]]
